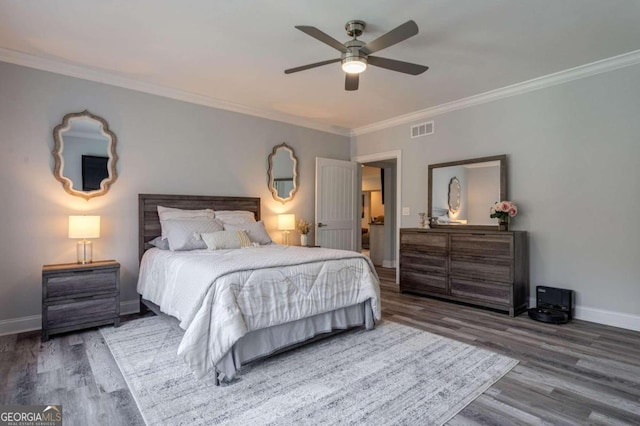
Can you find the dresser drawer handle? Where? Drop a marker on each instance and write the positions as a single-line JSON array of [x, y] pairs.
[[85, 271]]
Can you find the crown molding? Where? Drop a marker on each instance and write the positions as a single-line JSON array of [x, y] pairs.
[[582, 71], [113, 79]]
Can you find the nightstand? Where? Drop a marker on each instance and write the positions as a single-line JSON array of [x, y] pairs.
[[77, 296]]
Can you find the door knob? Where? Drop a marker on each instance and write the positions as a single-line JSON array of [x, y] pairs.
[[320, 224]]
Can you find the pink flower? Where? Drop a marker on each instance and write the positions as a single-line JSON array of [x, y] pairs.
[[505, 206], [513, 210]]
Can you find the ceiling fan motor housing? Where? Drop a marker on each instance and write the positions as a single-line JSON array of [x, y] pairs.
[[353, 53], [355, 28]]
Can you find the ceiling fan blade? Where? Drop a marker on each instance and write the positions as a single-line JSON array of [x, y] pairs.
[[398, 34], [393, 65], [323, 37], [306, 67], [351, 81]]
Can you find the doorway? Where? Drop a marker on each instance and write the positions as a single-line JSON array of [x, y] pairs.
[[381, 178]]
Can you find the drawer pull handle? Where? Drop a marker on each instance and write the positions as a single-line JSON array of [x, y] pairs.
[[86, 271]]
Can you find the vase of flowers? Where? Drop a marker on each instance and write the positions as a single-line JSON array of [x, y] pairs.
[[303, 228], [503, 211]]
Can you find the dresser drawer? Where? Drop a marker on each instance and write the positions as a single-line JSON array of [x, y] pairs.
[[423, 262], [428, 242], [493, 293], [482, 268], [486, 245], [86, 311], [78, 284], [420, 282]]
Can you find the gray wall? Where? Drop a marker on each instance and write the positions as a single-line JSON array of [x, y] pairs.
[[165, 146], [573, 157]]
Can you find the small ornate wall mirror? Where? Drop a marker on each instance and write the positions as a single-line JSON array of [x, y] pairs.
[[85, 155], [283, 173], [454, 195]]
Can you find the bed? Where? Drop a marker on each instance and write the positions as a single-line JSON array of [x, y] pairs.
[[237, 306]]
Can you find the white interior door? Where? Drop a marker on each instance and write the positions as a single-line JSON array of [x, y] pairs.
[[337, 207]]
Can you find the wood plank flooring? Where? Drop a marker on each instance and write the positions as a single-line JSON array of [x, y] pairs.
[[574, 374]]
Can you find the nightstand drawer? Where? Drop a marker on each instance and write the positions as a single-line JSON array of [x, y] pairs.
[[86, 311], [76, 284]]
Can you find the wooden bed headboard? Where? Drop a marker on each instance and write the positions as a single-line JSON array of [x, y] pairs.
[[149, 222]]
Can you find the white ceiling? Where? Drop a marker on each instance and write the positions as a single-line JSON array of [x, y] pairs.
[[234, 52]]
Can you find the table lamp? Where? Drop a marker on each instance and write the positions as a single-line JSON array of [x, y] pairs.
[[286, 223], [84, 227]]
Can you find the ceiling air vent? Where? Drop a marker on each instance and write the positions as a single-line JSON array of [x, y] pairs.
[[422, 129]]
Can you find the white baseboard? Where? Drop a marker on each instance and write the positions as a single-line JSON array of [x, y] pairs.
[[388, 263], [20, 325], [34, 322], [602, 316]]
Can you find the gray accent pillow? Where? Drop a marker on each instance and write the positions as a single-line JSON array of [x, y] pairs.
[[256, 231], [160, 243], [184, 234]]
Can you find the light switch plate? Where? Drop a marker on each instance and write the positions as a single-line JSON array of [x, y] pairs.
[[406, 211]]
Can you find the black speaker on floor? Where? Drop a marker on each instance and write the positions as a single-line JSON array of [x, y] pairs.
[[553, 305]]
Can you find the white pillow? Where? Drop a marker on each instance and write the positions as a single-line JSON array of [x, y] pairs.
[[255, 231], [226, 240], [184, 234], [167, 213], [235, 217]]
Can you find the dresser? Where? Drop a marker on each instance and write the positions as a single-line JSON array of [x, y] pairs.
[[77, 296], [482, 268]]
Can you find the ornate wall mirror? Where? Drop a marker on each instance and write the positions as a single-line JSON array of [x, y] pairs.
[[85, 155], [461, 193], [454, 195], [283, 173]]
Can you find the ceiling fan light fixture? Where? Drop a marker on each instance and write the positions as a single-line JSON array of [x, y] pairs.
[[354, 65]]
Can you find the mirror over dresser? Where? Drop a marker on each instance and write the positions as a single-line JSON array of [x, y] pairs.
[[462, 192]]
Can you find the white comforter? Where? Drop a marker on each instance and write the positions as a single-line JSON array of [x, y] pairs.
[[221, 295]]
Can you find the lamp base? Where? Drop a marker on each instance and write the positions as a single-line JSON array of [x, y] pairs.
[[84, 250], [285, 238]]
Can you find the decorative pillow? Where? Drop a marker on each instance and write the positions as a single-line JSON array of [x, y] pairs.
[[184, 234], [168, 213], [235, 217], [255, 231], [160, 243], [226, 240]]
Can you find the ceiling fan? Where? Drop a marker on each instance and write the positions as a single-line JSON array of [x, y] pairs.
[[356, 54]]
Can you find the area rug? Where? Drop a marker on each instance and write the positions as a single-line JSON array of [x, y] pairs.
[[393, 374]]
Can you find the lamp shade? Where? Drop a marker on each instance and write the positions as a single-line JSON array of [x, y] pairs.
[[84, 226], [286, 222]]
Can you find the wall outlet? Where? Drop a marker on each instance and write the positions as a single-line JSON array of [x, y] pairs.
[[406, 211]]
